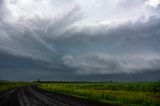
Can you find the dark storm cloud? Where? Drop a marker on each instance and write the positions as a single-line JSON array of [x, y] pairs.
[[66, 47], [128, 48], [32, 42]]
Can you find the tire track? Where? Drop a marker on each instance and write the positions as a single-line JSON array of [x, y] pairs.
[[23, 100], [30, 99], [32, 96], [9, 97], [47, 100]]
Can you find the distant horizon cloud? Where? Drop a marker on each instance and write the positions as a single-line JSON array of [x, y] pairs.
[[78, 37]]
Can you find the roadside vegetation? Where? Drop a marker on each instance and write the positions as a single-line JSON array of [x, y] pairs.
[[5, 85], [120, 93]]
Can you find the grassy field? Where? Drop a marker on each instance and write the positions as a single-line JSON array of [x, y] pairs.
[[4, 85], [120, 93]]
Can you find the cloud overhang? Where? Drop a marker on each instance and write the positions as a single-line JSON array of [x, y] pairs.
[[76, 38]]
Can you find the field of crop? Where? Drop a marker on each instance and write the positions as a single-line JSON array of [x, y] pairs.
[[120, 93]]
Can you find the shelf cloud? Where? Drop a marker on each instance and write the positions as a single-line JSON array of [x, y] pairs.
[[50, 38]]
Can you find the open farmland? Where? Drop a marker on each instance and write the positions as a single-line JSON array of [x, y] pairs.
[[27, 94], [117, 93], [7, 85]]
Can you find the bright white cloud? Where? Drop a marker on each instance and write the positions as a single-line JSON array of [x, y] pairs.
[[153, 3], [46, 9], [93, 11]]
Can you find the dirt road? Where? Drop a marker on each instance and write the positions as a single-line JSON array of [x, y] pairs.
[[32, 96]]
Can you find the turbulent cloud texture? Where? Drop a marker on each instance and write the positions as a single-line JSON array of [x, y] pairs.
[[44, 38]]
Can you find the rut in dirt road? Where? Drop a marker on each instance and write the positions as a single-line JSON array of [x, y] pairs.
[[32, 96]]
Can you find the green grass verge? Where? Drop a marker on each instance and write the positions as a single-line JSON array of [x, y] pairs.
[[128, 94], [4, 85]]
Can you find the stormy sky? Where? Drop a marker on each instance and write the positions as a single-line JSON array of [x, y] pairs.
[[89, 40]]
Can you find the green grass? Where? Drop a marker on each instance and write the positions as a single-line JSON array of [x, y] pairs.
[[123, 93], [4, 85]]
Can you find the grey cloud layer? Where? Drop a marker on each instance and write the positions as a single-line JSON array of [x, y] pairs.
[[113, 64], [67, 44]]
